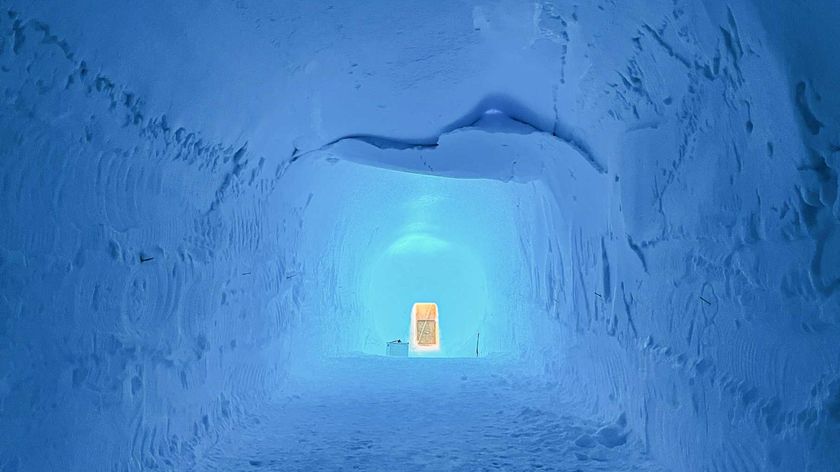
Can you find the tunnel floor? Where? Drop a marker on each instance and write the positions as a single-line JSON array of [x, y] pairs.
[[384, 414]]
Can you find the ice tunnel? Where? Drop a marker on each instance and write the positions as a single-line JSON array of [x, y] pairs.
[[412, 235]]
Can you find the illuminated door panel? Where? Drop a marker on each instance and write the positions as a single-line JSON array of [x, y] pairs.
[[425, 333]]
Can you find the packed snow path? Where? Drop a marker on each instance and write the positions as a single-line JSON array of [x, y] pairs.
[[388, 414]]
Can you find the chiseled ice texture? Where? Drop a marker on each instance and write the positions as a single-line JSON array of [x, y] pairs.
[[172, 239]]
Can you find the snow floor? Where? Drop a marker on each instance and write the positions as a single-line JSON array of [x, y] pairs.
[[422, 414]]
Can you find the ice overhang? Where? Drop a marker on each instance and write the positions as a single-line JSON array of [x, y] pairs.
[[506, 143]]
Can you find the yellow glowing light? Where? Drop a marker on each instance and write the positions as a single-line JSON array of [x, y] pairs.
[[425, 330]]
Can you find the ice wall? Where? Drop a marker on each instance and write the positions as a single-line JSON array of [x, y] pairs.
[[693, 286], [715, 322], [139, 315]]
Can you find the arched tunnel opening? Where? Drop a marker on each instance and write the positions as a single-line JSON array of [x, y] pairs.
[[406, 239], [464, 223], [442, 236]]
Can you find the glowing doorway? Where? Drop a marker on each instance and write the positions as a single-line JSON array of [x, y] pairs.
[[425, 330]]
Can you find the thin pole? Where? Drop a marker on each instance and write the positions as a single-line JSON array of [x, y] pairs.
[[477, 335]]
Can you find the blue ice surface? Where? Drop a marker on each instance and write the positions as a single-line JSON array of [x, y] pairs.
[[213, 216]]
